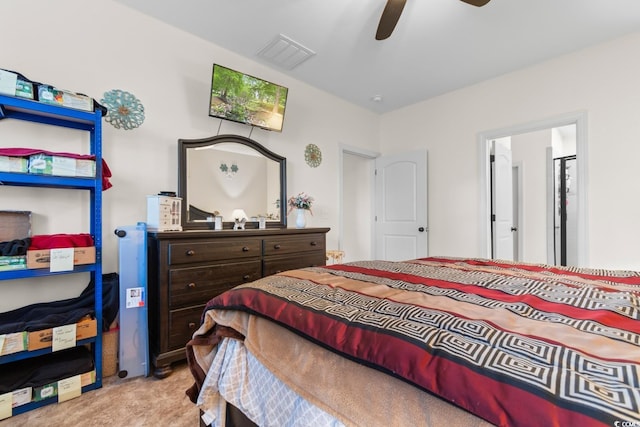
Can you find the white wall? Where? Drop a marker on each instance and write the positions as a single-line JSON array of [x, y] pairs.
[[529, 150], [601, 80], [93, 47]]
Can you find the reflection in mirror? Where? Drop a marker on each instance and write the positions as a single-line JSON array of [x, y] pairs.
[[228, 172]]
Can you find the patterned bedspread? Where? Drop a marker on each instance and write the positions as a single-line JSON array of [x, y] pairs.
[[516, 344]]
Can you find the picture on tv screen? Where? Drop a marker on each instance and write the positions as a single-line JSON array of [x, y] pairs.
[[246, 99]]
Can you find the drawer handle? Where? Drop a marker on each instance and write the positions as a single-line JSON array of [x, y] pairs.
[[314, 243], [191, 285], [245, 249], [192, 325], [191, 252], [247, 277], [276, 246]]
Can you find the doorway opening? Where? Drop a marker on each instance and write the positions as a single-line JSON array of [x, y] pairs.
[[564, 219], [525, 231], [356, 187]]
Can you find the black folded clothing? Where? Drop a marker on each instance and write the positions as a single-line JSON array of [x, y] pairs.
[[15, 247], [47, 315], [46, 369]]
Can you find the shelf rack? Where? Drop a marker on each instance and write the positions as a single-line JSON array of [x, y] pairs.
[[91, 122]]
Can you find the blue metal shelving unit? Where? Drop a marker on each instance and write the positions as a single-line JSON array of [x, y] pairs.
[[32, 111]]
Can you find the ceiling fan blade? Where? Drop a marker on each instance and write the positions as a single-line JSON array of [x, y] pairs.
[[478, 3], [389, 18]]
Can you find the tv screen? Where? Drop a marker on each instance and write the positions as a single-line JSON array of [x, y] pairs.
[[246, 99]]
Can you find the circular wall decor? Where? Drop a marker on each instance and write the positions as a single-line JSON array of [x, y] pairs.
[[124, 110], [313, 155]]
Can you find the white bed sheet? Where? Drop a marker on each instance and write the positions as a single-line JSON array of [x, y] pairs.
[[237, 377]]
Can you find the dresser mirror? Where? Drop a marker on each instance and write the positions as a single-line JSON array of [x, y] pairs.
[[220, 175]]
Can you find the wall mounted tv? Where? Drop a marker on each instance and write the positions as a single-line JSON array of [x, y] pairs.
[[246, 99]]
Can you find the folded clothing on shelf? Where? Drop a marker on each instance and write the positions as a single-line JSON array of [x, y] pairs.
[[42, 370], [54, 241], [15, 247], [26, 152], [47, 315], [96, 105]]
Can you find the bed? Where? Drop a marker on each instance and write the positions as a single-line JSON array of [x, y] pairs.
[[430, 342]]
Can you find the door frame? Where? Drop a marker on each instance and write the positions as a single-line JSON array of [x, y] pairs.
[[579, 119], [518, 189]]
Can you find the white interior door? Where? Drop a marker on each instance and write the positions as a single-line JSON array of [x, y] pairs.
[[401, 206], [503, 200]]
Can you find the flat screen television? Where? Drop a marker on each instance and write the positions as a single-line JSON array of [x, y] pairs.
[[246, 99]]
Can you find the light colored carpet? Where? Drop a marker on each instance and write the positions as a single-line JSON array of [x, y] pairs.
[[128, 402]]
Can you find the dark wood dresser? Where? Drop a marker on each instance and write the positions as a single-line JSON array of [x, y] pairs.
[[188, 268]]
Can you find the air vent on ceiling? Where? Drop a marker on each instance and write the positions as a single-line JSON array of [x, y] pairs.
[[285, 53]]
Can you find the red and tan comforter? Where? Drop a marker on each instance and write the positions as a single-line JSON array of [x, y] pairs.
[[515, 344]]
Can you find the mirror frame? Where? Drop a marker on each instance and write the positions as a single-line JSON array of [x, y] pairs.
[[185, 144]]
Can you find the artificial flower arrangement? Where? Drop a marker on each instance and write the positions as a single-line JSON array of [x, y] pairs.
[[301, 201]]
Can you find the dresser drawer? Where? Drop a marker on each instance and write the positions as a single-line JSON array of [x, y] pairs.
[[293, 244], [273, 265], [193, 285], [182, 324], [214, 250]]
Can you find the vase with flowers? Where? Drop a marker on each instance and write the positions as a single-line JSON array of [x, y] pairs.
[[302, 202]]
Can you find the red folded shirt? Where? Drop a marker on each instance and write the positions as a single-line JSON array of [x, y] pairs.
[[26, 152], [54, 241]]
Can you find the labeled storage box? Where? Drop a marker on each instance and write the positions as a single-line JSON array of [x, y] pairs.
[[24, 89], [51, 390], [50, 95], [13, 343], [85, 168], [12, 85], [41, 258], [14, 225], [85, 328], [164, 213], [46, 164], [9, 263], [14, 164], [21, 397]]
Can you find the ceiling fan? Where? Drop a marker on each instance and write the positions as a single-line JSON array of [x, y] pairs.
[[392, 11]]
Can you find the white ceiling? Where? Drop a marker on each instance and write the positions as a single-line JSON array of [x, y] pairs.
[[438, 45]]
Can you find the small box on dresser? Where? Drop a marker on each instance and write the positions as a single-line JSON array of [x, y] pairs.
[[163, 213]]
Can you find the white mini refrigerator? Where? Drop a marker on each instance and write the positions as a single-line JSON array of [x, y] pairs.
[[133, 352]]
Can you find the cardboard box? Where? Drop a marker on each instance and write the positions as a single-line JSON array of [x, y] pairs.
[[21, 397], [24, 89], [40, 258], [51, 389], [13, 343], [85, 168], [50, 95], [45, 164], [14, 164], [14, 225], [85, 328], [12, 85], [8, 81]]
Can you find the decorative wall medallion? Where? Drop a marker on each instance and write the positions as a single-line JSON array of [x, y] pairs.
[[313, 155], [124, 109]]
